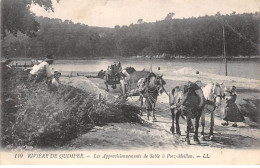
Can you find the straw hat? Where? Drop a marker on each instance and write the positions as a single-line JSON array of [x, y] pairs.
[[49, 57]]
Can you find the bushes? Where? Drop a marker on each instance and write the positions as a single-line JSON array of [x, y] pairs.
[[251, 109], [33, 116]]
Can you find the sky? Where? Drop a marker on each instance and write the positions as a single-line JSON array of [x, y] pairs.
[[108, 13]]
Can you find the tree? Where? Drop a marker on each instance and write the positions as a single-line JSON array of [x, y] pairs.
[[140, 21], [192, 37], [16, 16], [218, 14], [169, 16]]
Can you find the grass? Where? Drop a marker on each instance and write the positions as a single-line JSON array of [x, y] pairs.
[[34, 116]]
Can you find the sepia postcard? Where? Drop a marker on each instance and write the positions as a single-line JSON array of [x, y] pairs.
[[147, 82]]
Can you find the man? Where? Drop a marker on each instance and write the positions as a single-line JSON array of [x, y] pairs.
[[43, 71], [119, 66], [56, 79], [54, 82], [101, 74], [126, 74], [123, 83]]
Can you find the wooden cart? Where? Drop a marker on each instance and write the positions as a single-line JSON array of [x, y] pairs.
[[112, 76]]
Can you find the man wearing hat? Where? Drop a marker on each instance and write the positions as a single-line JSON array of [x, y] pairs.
[[101, 74], [43, 71]]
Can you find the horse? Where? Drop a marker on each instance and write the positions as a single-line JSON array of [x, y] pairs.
[[213, 93], [150, 88], [134, 77], [187, 100]]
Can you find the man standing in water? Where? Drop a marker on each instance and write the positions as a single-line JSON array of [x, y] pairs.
[[43, 71]]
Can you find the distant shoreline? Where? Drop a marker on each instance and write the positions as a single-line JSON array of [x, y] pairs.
[[204, 58], [146, 57]]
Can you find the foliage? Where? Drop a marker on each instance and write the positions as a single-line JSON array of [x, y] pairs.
[[16, 16], [251, 108], [34, 116], [192, 37], [169, 16]]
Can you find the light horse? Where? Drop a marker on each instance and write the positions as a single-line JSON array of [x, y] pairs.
[[213, 93], [136, 76], [149, 88], [187, 100], [133, 78]]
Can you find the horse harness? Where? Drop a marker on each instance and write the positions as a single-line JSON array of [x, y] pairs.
[[148, 92], [186, 111], [213, 103]]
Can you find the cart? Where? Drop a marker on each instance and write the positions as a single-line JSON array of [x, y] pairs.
[[112, 76]]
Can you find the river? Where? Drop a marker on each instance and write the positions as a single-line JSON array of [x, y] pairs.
[[239, 68]]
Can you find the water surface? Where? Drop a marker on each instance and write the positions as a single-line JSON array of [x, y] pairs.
[[239, 68]]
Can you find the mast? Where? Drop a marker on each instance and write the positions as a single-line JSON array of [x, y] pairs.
[[224, 50]]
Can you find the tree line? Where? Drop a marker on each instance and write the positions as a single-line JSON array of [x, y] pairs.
[[193, 37]]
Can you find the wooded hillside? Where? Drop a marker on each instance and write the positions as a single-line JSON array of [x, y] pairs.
[[192, 37]]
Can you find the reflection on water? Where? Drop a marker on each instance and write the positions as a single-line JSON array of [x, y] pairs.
[[242, 68]]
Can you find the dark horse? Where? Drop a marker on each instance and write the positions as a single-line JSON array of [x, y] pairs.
[[149, 88], [187, 100]]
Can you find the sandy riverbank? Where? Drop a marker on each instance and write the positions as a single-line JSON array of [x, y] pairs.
[[156, 135]]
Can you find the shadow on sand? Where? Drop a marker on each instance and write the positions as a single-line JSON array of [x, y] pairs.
[[234, 141]]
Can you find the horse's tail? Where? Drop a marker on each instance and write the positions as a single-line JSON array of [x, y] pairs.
[[172, 101], [171, 96], [172, 91]]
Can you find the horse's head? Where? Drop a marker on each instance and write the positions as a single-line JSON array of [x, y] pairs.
[[219, 94], [156, 82], [160, 83]]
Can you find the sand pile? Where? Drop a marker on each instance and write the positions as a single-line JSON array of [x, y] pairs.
[[87, 85]]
